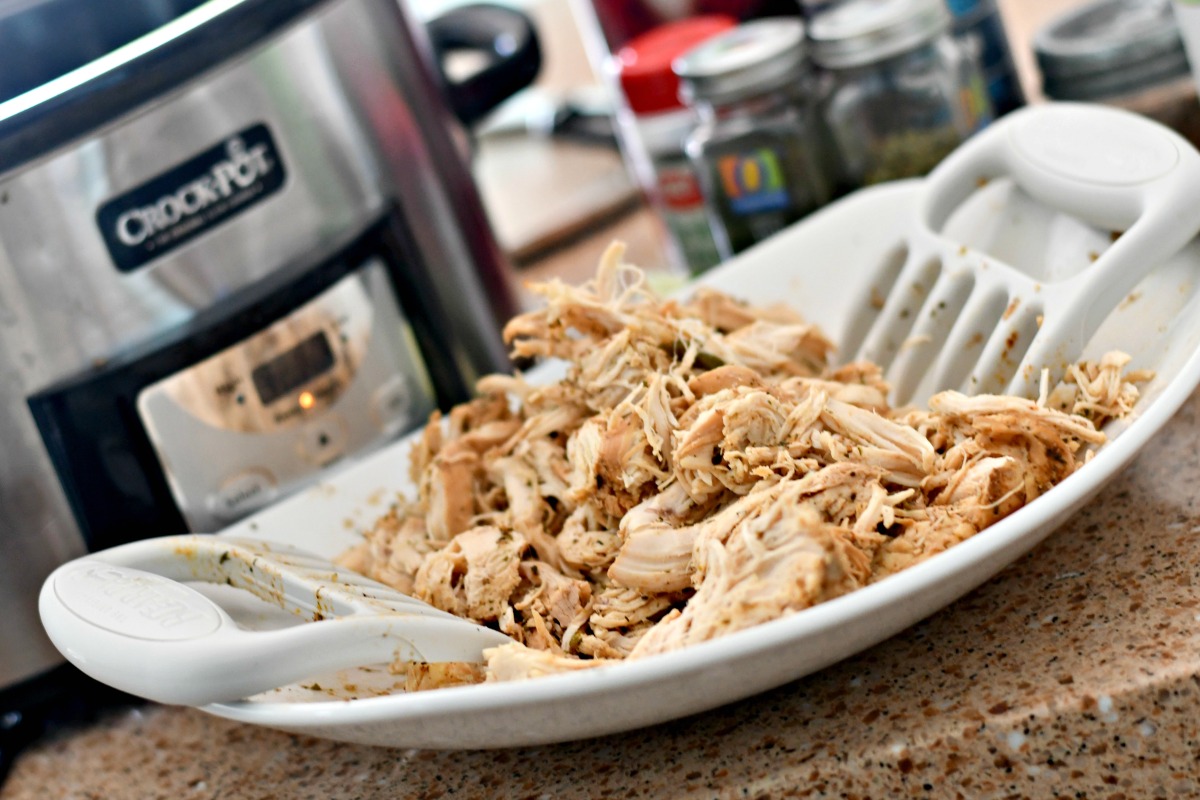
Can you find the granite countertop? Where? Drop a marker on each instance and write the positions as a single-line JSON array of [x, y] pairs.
[[1074, 673]]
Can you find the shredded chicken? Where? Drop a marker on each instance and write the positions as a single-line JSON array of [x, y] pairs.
[[700, 468]]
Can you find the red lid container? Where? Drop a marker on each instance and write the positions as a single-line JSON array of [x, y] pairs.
[[645, 62]]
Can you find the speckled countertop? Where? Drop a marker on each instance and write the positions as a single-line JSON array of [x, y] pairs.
[[1074, 673]]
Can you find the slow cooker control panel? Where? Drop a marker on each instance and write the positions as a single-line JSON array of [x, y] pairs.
[[251, 423]]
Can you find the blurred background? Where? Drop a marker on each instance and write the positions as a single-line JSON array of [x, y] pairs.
[[550, 141]]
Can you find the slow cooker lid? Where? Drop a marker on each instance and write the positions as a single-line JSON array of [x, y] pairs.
[[71, 66]]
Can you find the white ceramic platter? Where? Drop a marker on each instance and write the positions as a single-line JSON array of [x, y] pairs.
[[825, 267]]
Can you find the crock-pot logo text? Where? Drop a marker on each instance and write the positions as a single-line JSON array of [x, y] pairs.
[[241, 170], [183, 202]]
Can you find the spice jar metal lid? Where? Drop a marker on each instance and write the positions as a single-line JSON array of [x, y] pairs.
[[1110, 48], [755, 57], [862, 32], [644, 63]]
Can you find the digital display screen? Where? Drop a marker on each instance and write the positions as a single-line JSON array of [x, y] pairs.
[[293, 369]]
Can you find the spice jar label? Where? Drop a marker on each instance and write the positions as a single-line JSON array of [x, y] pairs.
[[685, 214], [679, 187], [752, 182]]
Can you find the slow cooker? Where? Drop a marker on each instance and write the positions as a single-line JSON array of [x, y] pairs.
[[239, 246]]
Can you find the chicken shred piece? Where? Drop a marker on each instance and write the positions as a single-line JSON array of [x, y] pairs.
[[474, 575], [700, 467]]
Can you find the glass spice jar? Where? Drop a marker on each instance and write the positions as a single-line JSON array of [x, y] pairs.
[[654, 132], [899, 91], [1124, 53], [978, 24], [758, 146]]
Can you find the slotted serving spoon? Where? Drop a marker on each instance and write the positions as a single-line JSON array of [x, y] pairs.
[[123, 617], [957, 318]]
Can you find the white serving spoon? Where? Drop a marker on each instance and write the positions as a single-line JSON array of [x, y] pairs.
[[124, 617], [960, 319]]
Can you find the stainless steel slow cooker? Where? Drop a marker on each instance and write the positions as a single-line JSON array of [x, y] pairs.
[[239, 245]]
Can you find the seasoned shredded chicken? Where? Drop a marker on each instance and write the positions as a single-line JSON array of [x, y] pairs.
[[701, 468]]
